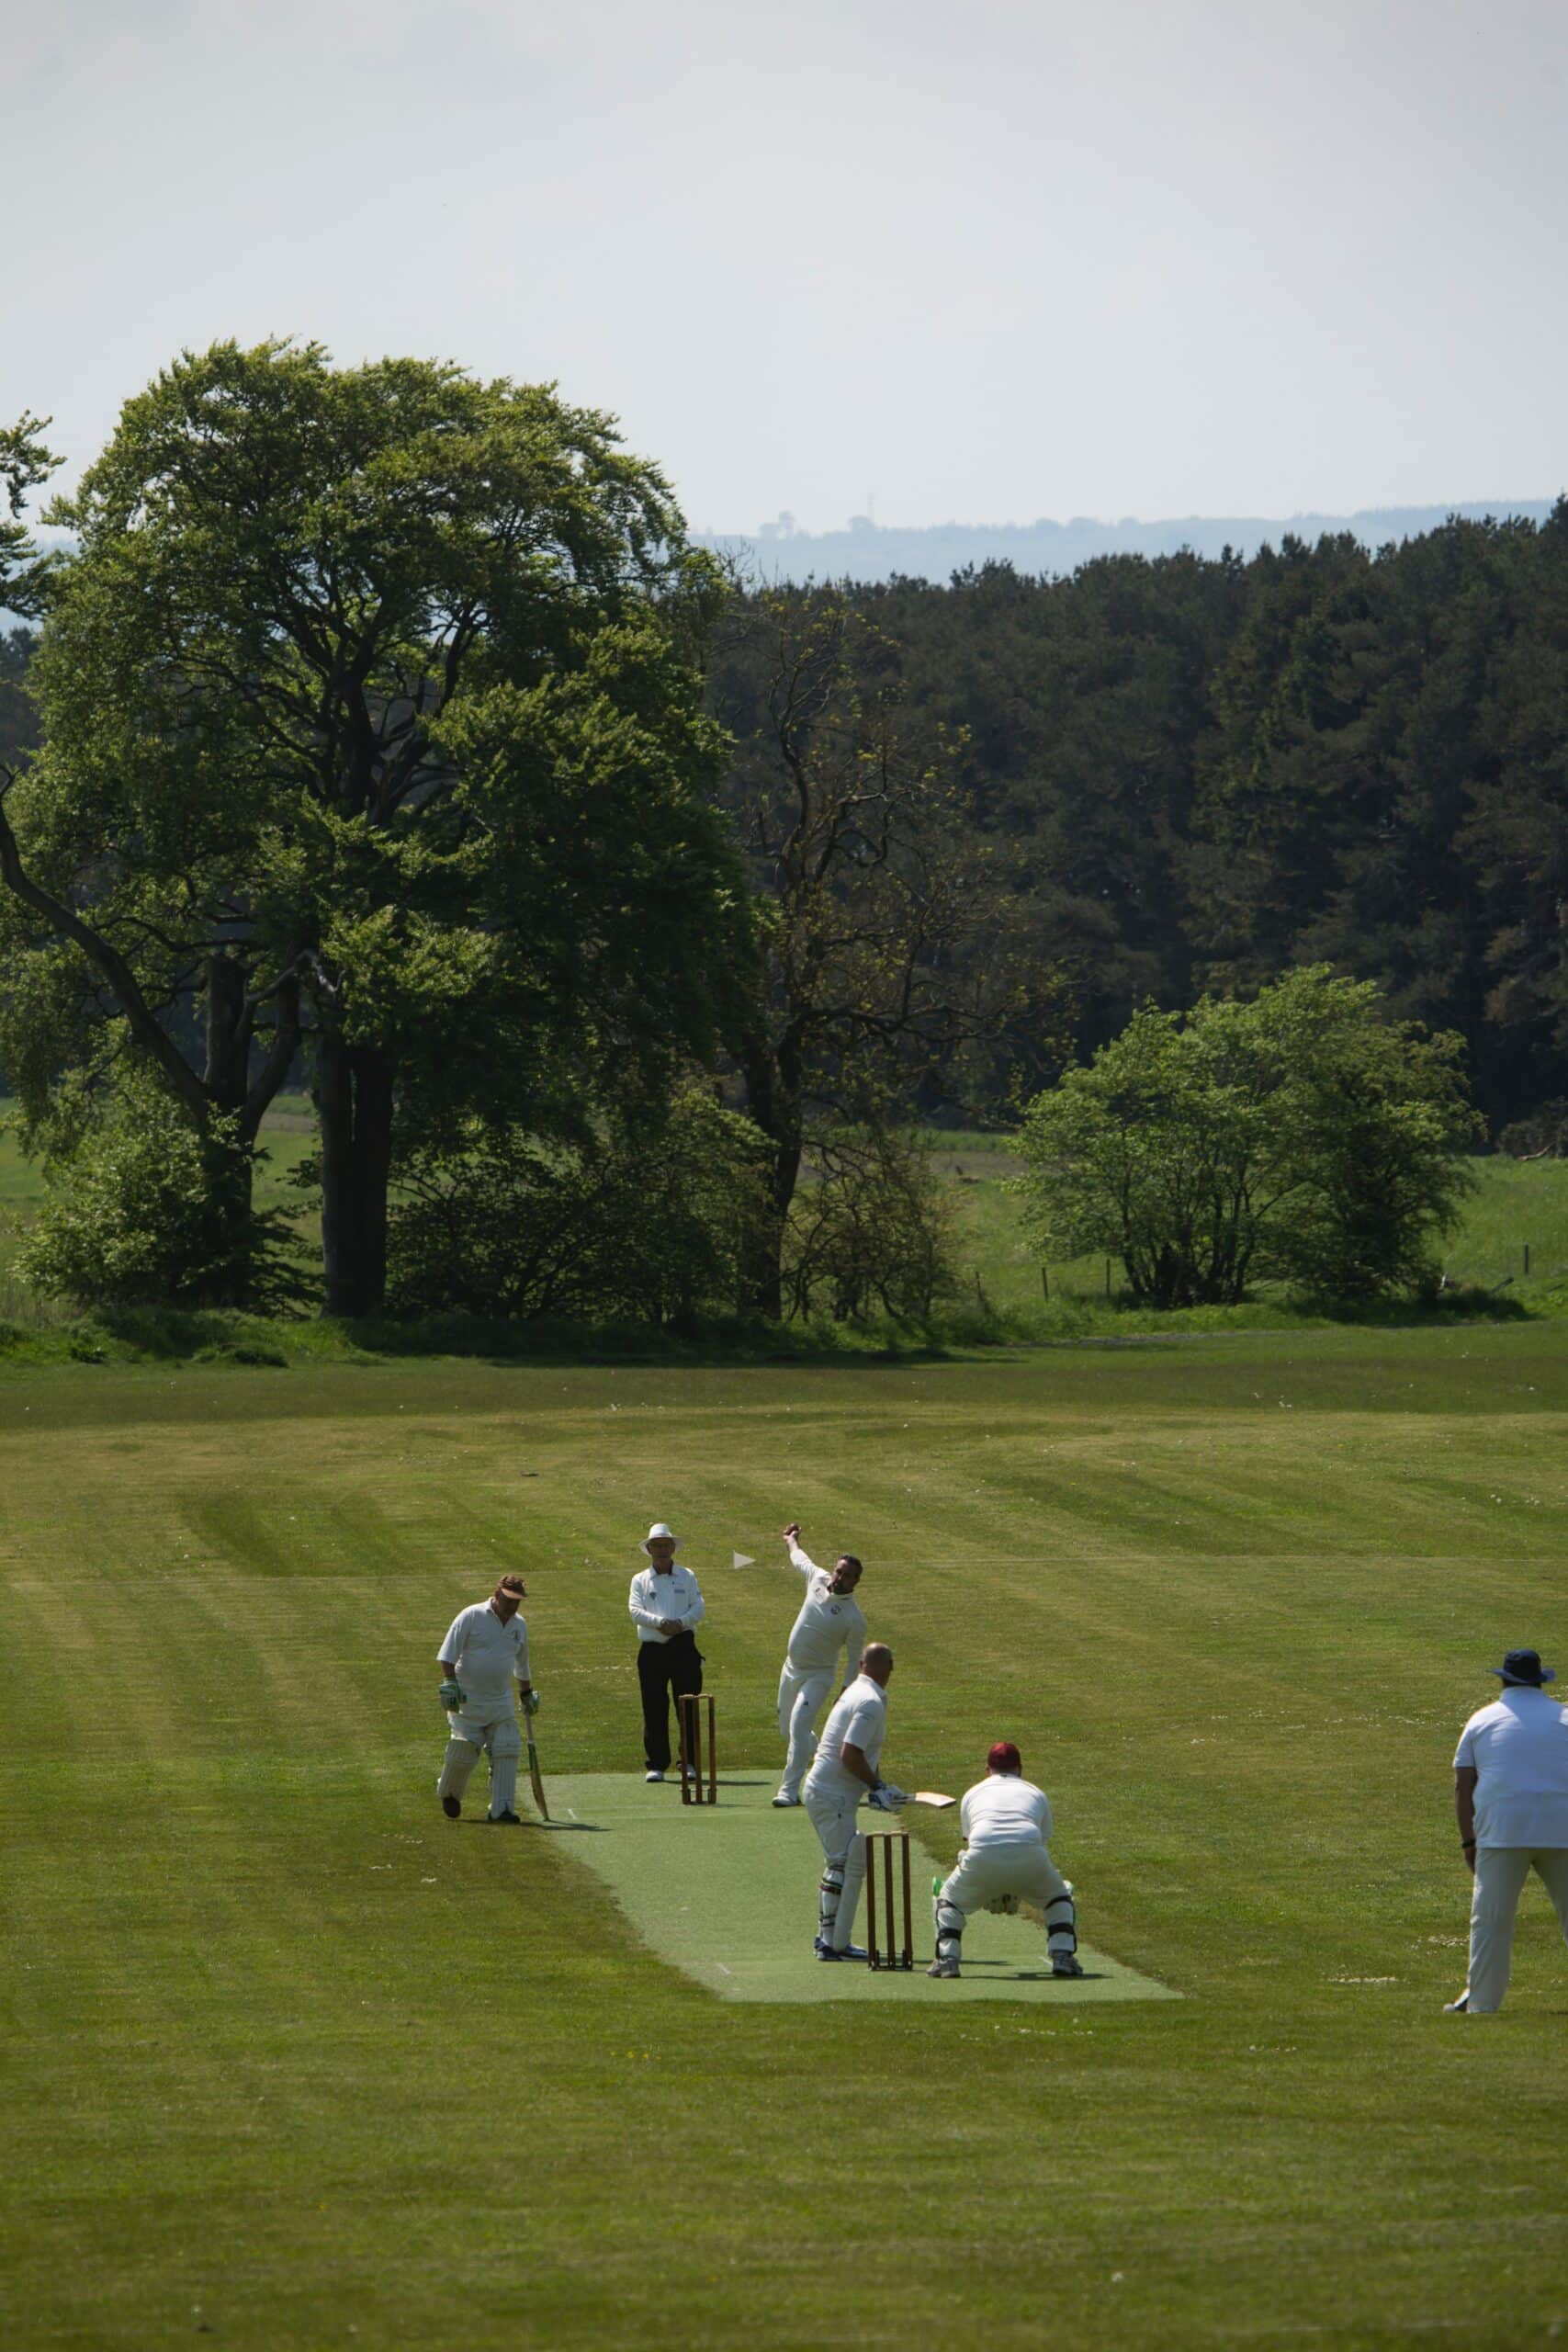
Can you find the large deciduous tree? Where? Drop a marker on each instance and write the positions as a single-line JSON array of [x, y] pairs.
[[879, 907], [368, 731]]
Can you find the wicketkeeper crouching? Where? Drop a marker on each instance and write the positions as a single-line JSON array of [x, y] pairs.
[[485, 1651], [1006, 1822]]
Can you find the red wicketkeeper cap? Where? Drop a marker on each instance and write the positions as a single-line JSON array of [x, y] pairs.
[[1004, 1757]]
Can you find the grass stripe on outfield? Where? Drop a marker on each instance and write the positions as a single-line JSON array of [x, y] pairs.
[[728, 1895]]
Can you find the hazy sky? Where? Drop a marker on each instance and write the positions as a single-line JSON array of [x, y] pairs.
[[985, 261]]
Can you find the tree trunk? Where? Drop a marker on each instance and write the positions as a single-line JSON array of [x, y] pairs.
[[773, 1104], [353, 1099], [230, 1169]]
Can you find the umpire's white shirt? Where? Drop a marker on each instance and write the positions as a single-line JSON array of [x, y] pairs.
[[859, 1720], [829, 1622], [654, 1597], [1519, 1748], [486, 1655]]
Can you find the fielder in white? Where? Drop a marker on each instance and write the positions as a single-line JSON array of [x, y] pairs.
[[1511, 1797], [484, 1653], [846, 1771], [830, 1620], [1006, 1822]]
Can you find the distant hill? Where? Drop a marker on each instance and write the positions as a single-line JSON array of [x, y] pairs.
[[865, 550]]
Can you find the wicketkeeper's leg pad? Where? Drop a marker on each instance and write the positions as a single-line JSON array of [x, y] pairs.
[[1062, 1924], [949, 1920]]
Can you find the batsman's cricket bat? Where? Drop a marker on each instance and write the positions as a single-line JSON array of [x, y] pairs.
[[931, 1797], [536, 1782]]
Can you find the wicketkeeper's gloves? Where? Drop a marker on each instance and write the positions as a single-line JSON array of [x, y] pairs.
[[886, 1798], [451, 1694], [530, 1702]]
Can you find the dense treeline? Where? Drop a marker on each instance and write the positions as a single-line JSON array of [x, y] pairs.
[[1212, 771], [19, 719], [383, 727]]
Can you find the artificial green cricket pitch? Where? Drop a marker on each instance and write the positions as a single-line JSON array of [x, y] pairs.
[[728, 1893]]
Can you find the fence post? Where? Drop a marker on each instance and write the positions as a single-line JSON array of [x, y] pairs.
[[1108, 1278], [1045, 1284]]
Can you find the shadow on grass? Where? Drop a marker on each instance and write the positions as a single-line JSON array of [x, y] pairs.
[[214, 1337]]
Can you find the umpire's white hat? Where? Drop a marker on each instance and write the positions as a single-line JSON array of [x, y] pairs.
[[659, 1528]]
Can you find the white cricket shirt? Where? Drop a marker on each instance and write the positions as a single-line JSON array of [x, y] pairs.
[[654, 1597], [1518, 1746], [828, 1622], [859, 1718], [485, 1655], [1004, 1809]]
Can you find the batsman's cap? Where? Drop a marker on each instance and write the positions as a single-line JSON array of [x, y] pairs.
[[1004, 1757], [514, 1588], [659, 1528], [1525, 1665]]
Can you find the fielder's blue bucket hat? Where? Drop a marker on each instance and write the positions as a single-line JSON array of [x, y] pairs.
[[1525, 1665]]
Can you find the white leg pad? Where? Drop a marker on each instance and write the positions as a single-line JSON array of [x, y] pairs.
[[949, 1922], [457, 1767], [505, 1748], [848, 1900]]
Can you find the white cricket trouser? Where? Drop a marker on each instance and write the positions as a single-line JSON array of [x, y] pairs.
[[1021, 1866], [843, 1849], [1500, 1875], [800, 1696], [478, 1726]]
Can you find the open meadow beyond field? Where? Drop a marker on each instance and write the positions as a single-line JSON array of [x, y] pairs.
[[294, 2062]]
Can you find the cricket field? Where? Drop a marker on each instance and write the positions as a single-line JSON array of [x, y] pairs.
[[293, 2062]]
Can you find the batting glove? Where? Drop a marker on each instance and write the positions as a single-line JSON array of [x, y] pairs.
[[530, 1702], [451, 1694], [885, 1798]]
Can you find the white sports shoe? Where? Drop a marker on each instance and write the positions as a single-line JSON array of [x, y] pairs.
[[785, 1797], [940, 1967], [653, 1776]]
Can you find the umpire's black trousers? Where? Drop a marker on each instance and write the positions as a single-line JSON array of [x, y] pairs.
[[662, 1668]]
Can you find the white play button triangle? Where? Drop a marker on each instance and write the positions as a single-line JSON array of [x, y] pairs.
[[740, 1560]]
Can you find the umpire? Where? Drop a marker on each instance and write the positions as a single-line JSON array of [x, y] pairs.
[[666, 1608], [1511, 1797]]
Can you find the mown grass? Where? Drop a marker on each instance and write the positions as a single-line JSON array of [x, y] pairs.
[[294, 2063]]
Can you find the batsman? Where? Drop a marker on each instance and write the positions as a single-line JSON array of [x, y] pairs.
[[846, 1771], [484, 1652]]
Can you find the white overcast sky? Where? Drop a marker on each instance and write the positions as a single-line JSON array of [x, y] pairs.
[[985, 261]]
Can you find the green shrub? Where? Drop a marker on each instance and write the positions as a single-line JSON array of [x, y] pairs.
[[1298, 1136], [144, 1211], [653, 1225], [872, 1231]]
